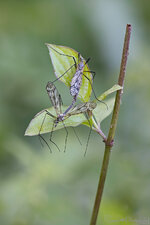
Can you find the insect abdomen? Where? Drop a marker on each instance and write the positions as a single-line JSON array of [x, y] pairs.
[[76, 83]]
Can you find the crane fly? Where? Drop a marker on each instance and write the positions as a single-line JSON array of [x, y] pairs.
[[77, 78], [56, 101]]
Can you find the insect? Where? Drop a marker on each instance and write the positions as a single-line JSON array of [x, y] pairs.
[[77, 78], [56, 101]]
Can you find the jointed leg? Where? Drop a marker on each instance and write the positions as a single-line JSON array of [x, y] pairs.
[[75, 64], [94, 91], [40, 136], [87, 61], [89, 134], [93, 72], [63, 73], [52, 140], [47, 113], [76, 136], [64, 54], [66, 136]]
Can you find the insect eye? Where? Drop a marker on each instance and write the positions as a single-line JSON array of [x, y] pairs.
[[49, 86]]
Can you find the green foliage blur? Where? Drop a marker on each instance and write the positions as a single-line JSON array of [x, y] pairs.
[[39, 188]]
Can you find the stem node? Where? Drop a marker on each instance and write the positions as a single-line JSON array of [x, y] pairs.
[[109, 143]]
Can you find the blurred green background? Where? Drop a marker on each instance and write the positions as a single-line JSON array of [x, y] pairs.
[[39, 188]]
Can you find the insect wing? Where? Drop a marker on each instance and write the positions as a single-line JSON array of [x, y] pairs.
[[82, 108], [54, 97]]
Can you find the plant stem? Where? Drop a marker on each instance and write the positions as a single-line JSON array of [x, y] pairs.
[[98, 130], [111, 134]]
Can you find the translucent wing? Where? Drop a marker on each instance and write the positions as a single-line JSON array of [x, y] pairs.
[[54, 96]]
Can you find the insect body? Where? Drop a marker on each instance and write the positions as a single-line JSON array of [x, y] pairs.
[[86, 107], [57, 103], [55, 98], [76, 81], [79, 72], [76, 76]]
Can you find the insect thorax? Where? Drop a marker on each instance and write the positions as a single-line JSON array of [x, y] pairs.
[[60, 118]]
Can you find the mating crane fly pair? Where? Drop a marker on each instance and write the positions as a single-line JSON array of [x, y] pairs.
[[56, 101], [76, 84]]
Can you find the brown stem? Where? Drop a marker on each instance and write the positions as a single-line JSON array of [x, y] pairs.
[[111, 134]]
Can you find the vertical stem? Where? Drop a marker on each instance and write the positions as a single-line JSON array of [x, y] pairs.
[[111, 134]]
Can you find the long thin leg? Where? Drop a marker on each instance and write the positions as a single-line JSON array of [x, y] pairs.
[[79, 55], [66, 136], [64, 54], [75, 64], [94, 91], [76, 136], [93, 72], [47, 113], [87, 61], [51, 138], [63, 73], [40, 136], [61, 103], [88, 135]]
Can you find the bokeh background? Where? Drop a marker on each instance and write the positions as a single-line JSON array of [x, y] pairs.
[[39, 188]]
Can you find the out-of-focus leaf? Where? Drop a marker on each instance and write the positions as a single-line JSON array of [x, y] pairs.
[[36, 123], [62, 63]]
